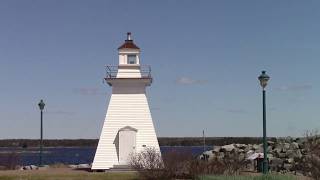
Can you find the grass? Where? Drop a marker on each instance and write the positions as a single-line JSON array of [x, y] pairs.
[[267, 177], [67, 174], [89, 176]]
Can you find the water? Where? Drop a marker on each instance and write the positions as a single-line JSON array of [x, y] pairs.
[[76, 155]]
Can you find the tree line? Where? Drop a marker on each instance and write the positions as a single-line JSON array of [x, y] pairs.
[[163, 141]]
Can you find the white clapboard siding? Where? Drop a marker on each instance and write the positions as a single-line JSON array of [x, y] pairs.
[[129, 73], [127, 109]]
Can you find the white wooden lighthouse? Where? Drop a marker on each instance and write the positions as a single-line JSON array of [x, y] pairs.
[[128, 126]]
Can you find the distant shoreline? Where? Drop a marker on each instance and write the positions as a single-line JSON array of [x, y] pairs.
[[163, 141]]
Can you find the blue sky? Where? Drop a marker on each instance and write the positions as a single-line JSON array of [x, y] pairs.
[[205, 57]]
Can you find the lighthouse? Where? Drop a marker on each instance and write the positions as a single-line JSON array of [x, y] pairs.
[[128, 126]]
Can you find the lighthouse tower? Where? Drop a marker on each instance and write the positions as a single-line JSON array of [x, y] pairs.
[[128, 126]]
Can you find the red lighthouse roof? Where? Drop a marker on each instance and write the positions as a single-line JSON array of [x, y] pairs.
[[128, 44]]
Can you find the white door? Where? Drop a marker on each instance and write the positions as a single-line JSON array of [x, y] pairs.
[[127, 145]]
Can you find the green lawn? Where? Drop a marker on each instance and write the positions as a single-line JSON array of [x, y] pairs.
[[267, 177], [126, 176], [89, 176]]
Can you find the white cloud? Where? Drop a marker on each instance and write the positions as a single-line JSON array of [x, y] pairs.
[[301, 87], [190, 81]]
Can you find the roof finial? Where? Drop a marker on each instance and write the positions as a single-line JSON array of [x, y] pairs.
[[129, 36]]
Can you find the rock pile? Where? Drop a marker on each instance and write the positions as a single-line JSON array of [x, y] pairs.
[[284, 155]]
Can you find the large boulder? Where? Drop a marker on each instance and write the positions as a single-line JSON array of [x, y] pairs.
[[286, 146], [241, 146], [294, 153], [276, 162], [216, 149], [287, 166], [256, 147], [277, 150], [220, 156], [207, 155], [294, 145], [33, 167], [228, 148], [73, 166], [270, 143], [290, 160], [282, 155]]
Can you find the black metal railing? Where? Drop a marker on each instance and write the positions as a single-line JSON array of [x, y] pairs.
[[112, 71]]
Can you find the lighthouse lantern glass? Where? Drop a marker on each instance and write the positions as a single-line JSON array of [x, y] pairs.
[[132, 59]]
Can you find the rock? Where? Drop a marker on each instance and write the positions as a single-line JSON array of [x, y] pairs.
[[216, 149], [241, 146], [290, 160], [289, 139], [276, 164], [72, 166], [258, 148], [286, 146], [276, 161], [287, 166], [228, 148], [255, 147], [294, 145], [270, 143], [33, 167], [80, 166], [270, 156], [220, 156], [241, 151], [301, 141], [294, 154], [209, 153], [249, 147], [250, 152], [26, 167], [277, 150], [241, 156], [282, 155]]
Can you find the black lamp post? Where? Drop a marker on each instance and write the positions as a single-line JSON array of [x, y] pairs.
[[41, 106], [263, 78]]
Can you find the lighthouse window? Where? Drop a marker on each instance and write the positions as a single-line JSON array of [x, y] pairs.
[[132, 59]]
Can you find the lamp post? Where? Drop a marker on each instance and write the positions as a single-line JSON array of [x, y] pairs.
[[41, 107], [263, 78]]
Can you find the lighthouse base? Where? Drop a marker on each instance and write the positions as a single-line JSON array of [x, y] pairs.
[[128, 129]]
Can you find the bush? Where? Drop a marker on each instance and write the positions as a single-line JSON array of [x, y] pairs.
[[182, 165], [151, 165], [148, 163]]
